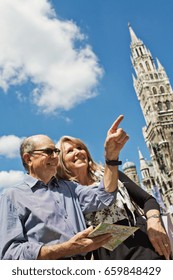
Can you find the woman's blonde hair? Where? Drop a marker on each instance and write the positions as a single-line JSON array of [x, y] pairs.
[[95, 170]]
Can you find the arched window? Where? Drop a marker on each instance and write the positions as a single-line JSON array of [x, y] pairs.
[[142, 67], [137, 52], [159, 105], [162, 89], [154, 90], [155, 76], [148, 66], [141, 51], [168, 105], [151, 76]]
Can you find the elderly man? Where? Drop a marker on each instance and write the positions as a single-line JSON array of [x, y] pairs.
[[42, 218]]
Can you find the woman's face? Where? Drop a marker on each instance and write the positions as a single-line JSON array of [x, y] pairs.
[[75, 157]]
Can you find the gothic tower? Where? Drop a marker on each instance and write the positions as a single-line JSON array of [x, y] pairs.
[[155, 95]]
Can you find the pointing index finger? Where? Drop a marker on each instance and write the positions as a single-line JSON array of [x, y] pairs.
[[116, 124]]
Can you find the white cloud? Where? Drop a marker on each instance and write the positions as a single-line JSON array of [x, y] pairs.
[[9, 146], [36, 45], [10, 178]]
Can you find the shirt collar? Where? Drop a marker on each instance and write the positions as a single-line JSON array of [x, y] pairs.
[[33, 182]]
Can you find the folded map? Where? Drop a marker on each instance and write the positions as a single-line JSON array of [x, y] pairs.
[[119, 233]]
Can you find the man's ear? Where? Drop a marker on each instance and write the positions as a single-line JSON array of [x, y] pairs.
[[27, 158]]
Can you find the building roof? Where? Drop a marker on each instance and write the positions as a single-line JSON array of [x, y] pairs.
[[128, 165]]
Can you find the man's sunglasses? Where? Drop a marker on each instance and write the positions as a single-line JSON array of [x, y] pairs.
[[48, 151]]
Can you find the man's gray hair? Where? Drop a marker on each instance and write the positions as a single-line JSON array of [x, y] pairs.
[[26, 146]]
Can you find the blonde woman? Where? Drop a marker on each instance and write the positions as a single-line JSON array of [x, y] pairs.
[[151, 240]]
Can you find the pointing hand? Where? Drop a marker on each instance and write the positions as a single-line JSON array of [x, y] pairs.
[[115, 140]]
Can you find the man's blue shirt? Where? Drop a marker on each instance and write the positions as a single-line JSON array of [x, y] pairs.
[[34, 214]]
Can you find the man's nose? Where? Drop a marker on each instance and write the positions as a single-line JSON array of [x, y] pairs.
[[54, 154]]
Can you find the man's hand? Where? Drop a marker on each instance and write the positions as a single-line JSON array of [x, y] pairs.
[[115, 140], [81, 243], [78, 244]]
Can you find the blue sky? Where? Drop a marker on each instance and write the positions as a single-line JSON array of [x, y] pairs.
[[65, 69]]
